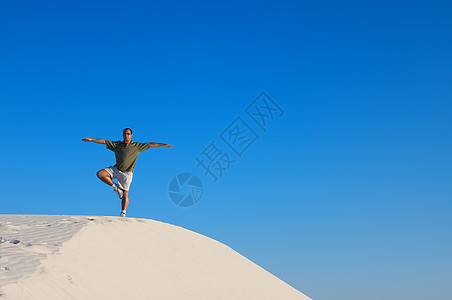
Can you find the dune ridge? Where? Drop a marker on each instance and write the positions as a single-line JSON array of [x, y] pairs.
[[81, 257]]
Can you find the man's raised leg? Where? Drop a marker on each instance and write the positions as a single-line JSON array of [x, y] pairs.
[[105, 177]]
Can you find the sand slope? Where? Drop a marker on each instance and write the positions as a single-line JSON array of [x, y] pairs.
[[79, 257]]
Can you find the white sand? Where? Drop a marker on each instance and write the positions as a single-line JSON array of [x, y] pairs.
[[79, 257]]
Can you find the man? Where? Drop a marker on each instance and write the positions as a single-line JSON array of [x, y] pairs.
[[126, 153]]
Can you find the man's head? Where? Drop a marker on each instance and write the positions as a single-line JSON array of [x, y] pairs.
[[127, 134]]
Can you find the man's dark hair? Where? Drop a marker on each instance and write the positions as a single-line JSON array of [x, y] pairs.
[[127, 129]]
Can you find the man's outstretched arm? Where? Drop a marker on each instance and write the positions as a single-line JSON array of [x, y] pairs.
[[97, 141], [159, 145]]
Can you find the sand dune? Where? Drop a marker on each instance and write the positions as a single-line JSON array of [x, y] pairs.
[[79, 257]]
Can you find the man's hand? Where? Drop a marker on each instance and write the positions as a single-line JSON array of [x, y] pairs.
[[97, 141], [159, 145]]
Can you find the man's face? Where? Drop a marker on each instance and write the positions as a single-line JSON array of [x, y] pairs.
[[127, 135]]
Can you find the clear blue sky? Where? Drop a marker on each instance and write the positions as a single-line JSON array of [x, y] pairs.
[[348, 194]]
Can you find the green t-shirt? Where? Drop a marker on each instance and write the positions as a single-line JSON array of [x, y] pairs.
[[126, 154]]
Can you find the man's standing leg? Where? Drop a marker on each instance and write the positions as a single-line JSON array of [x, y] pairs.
[[125, 179], [125, 200]]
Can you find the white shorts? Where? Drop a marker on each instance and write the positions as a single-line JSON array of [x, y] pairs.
[[124, 178]]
